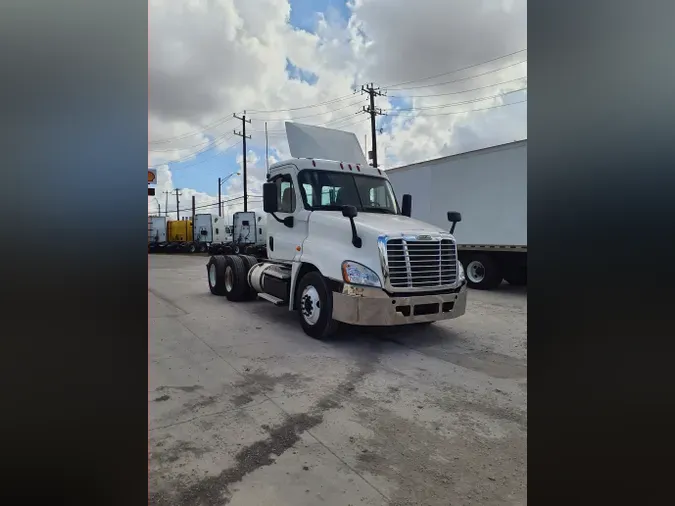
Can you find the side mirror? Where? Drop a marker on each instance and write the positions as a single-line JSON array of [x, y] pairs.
[[406, 205], [349, 211], [270, 200], [454, 217]]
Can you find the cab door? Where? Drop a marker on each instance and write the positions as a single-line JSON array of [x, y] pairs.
[[285, 243]]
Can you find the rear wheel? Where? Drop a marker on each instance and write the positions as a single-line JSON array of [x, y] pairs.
[[192, 248], [202, 248], [216, 274], [249, 261], [236, 284], [482, 272], [314, 300]]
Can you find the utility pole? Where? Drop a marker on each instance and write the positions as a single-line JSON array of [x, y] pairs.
[[193, 210], [373, 111], [243, 135], [220, 199], [166, 204], [177, 203], [267, 152]]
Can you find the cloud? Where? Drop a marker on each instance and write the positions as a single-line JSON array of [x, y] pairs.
[[208, 59]]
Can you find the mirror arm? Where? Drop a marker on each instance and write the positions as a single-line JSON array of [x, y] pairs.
[[356, 240], [288, 223]]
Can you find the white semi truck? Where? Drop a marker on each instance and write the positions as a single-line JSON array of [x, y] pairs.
[[340, 249], [489, 187]]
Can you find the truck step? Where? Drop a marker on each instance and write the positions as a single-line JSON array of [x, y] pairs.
[[271, 298]]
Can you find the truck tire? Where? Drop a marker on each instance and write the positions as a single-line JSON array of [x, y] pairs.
[[236, 284], [202, 248], [249, 262], [191, 248], [314, 300], [482, 272], [215, 270]]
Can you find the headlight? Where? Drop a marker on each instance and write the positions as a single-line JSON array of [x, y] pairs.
[[357, 274], [460, 272]]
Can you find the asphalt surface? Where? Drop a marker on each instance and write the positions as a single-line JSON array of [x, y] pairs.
[[245, 409]]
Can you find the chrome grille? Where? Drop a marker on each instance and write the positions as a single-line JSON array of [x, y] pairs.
[[421, 263]]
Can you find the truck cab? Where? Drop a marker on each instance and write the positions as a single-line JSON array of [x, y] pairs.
[[341, 249]]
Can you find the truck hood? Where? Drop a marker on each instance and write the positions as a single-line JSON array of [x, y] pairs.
[[375, 224], [329, 241]]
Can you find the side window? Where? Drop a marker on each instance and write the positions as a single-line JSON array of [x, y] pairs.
[[308, 193], [286, 193]]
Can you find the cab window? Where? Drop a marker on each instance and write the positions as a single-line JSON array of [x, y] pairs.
[[285, 193]]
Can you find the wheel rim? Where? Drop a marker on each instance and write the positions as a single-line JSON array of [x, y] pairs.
[[310, 305], [229, 279], [212, 274], [475, 271]]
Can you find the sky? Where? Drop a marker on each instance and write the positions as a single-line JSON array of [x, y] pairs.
[[454, 74]]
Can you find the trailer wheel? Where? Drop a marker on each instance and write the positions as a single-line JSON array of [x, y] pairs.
[[482, 272], [236, 284], [314, 300], [250, 261], [216, 274]]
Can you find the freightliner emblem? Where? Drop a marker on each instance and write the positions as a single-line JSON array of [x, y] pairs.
[[424, 238]]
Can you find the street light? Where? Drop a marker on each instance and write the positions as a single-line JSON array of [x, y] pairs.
[[220, 185], [159, 206]]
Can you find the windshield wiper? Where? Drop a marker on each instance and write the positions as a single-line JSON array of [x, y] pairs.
[[375, 209]]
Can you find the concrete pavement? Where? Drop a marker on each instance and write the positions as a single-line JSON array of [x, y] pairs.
[[245, 409]]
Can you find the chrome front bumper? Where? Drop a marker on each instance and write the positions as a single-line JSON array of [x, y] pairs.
[[372, 306]]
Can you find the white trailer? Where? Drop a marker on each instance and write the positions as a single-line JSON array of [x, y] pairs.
[[339, 248], [489, 188], [209, 229], [248, 230], [156, 229]]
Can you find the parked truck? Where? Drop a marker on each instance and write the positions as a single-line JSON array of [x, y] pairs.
[[210, 229], [340, 248], [249, 232], [156, 233], [489, 188]]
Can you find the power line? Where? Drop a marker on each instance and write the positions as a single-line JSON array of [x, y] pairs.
[[441, 106], [228, 118], [310, 115], [208, 158], [461, 112], [460, 91], [334, 100], [188, 147], [191, 134], [205, 206], [463, 78], [190, 156], [456, 70]]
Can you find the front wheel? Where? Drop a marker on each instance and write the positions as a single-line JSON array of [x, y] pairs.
[[314, 302]]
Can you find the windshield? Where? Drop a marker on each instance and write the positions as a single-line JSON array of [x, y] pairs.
[[329, 191]]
